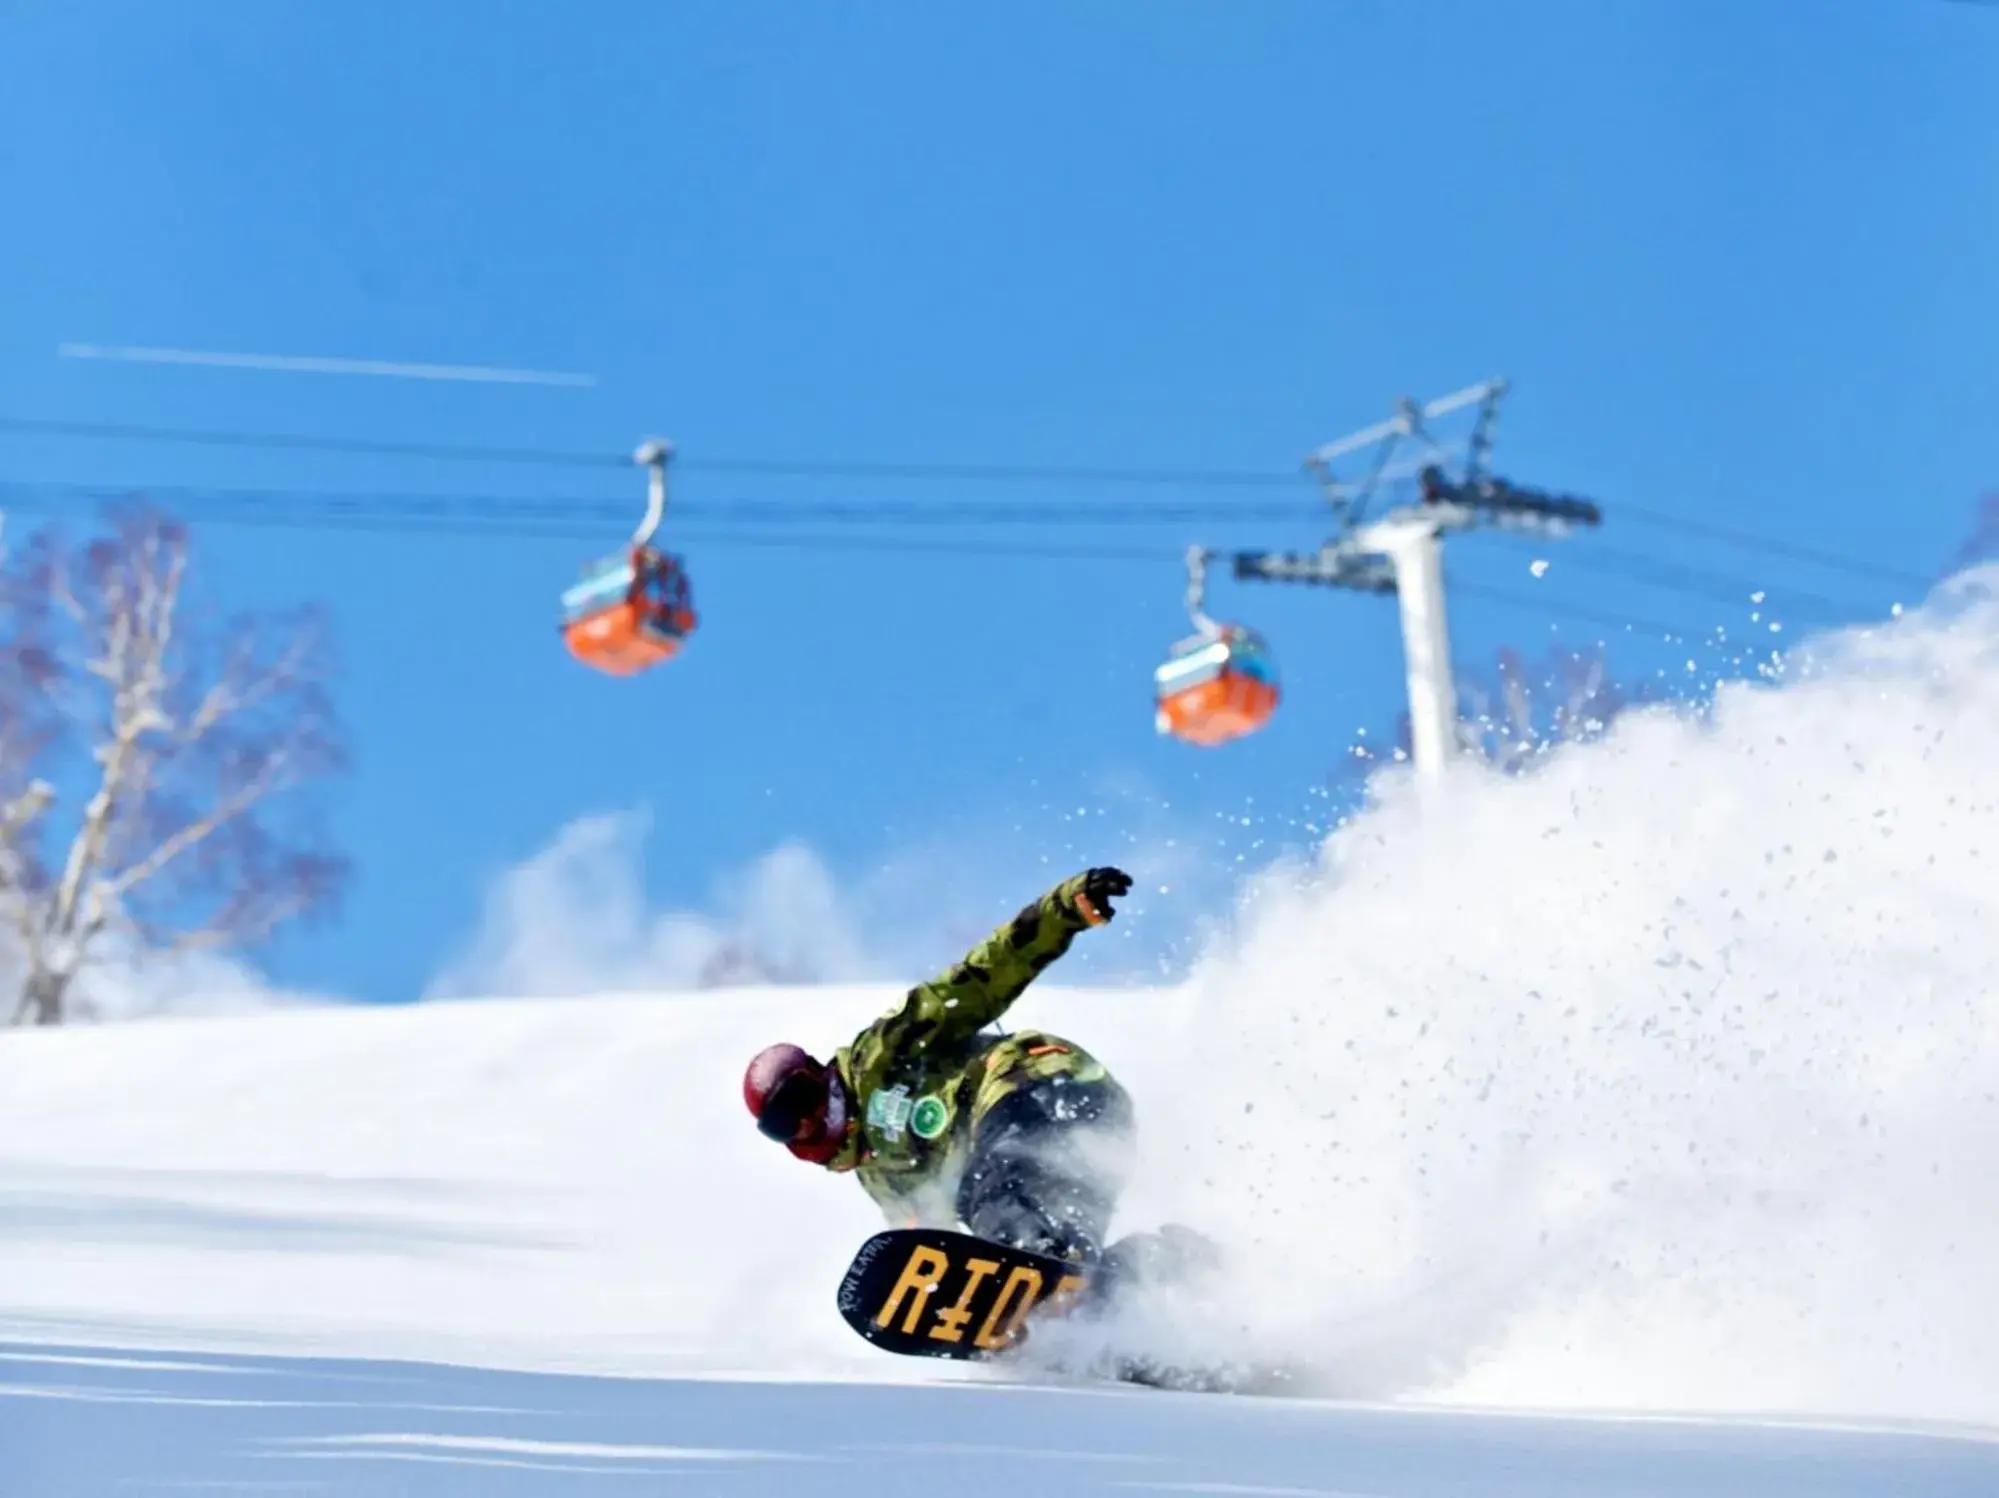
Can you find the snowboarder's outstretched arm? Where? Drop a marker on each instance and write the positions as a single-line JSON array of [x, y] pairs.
[[997, 971], [953, 1006]]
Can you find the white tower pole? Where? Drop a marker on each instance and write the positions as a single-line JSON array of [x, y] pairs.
[[1415, 549]]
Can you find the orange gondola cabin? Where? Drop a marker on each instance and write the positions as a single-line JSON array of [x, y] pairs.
[[1216, 686], [630, 610]]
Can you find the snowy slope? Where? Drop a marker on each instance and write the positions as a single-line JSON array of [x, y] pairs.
[[84, 1424], [547, 1186], [572, 1186]]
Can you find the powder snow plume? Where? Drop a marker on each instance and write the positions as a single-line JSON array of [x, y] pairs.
[[1664, 1077]]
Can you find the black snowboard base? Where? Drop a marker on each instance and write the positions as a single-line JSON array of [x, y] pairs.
[[926, 1292], [933, 1293]]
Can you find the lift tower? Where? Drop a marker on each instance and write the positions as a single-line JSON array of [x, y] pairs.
[[1400, 551]]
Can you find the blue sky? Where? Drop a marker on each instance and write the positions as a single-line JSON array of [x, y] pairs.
[[1735, 255]]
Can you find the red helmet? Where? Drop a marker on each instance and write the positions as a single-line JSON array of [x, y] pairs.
[[796, 1101]]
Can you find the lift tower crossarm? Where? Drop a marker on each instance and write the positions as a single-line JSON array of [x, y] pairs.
[[1411, 423], [1409, 419]]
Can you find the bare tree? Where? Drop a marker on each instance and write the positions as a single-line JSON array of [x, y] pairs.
[[1513, 712], [1521, 707], [179, 748]]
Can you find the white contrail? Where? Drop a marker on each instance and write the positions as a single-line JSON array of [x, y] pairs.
[[309, 364]]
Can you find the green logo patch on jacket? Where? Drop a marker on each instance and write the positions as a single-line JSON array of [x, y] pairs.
[[930, 1117]]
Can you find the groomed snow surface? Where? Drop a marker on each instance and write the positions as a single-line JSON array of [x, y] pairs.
[[1658, 1084]]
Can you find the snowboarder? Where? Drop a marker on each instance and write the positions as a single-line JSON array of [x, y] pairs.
[[1023, 1138]]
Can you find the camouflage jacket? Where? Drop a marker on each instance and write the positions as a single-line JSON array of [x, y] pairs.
[[920, 1078]]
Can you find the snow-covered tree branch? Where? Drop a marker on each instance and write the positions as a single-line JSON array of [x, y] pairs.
[[182, 751]]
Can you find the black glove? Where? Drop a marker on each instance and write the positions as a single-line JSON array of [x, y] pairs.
[[1099, 888]]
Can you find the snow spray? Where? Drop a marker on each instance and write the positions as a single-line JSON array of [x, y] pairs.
[[1666, 1076]]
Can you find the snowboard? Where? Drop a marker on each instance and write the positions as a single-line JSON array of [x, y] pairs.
[[929, 1292], [934, 1293]]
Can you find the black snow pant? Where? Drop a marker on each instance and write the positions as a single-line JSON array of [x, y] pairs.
[[1046, 1166]]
